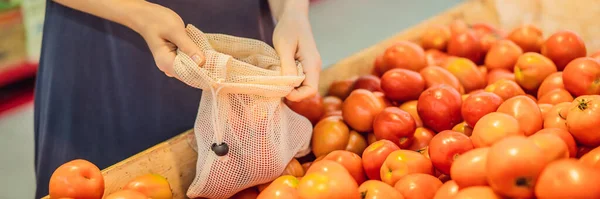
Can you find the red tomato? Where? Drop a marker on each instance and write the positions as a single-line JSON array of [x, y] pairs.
[[467, 45], [249, 193], [375, 189], [281, 188], [356, 143], [402, 85], [422, 137], [383, 99], [395, 125], [479, 104], [411, 108], [332, 175], [477, 192], [486, 42], [404, 54], [582, 77], [545, 108], [583, 119], [494, 127], [371, 138], [565, 136], [418, 186], [126, 194], [526, 111], [553, 81], [403, 162], [564, 46], [469, 169], [439, 107], [445, 147], [311, 108], [591, 158], [568, 178], [506, 89], [77, 179], [553, 147], [360, 108], [498, 74], [503, 55], [350, 161], [528, 37], [467, 74], [329, 134], [331, 104], [378, 66], [374, 156], [368, 82], [531, 69], [447, 191], [556, 96], [152, 185], [458, 26], [435, 75], [507, 179], [341, 88], [557, 116], [435, 37]]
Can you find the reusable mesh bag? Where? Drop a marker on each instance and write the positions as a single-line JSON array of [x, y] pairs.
[[242, 107]]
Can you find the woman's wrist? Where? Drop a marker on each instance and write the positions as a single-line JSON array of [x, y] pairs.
[[280, 8]]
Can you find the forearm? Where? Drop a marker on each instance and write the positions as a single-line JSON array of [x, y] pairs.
[[118, 11], [278, 7]]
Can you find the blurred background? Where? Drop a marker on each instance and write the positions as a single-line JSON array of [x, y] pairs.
[[341, 28]]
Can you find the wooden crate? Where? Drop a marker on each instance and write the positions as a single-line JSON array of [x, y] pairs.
[[176, 160]]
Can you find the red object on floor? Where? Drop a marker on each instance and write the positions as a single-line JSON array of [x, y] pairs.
[[18, 72], [16, 100]]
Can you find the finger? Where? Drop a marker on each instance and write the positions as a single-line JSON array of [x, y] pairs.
[[286, 52], [163, 53], [187, 46], [310, 84]]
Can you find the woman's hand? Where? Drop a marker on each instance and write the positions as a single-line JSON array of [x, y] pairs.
[[164, 32], [293, 40]]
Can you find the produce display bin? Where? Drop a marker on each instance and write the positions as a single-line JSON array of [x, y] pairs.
[[176, 160]]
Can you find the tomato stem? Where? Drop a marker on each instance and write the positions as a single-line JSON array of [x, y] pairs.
[[363, 194], [583, 104], [523, 182]]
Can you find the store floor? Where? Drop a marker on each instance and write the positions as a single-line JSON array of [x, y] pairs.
[[341, 28]]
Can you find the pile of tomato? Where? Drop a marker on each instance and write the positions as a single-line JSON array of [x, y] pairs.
[[469, 111]]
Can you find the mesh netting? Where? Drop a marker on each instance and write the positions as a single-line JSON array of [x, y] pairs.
[[241, 106]]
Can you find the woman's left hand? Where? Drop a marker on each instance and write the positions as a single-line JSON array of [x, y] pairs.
[[293, 40]]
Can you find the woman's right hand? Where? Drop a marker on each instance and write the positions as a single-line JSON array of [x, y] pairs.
[[164, 32]]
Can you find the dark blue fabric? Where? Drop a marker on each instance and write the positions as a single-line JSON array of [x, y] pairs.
[[99, 95]]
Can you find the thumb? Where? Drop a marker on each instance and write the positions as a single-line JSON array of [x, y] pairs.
[[187, 46]]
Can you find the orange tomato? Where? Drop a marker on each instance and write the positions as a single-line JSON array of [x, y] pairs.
[[360, 108], [506, 178], [294, 168], [506, 89], [494, 127], [498, 74], [126, 194], [374, 156], [356, 143], [458, 26], [527, 36], [477, 192], [435, 37], [284, 187], [330, 134], [411, 108], [526, 111], [435, 75], [341, 88], [545, 108], [152, 185], [503, 55], [582, 76], [556, 96], [328, 179], [553, 81], [467, 74], [371, 138], [469, 169], [422, 137], [375, 189], [479, 104], [331, 103], [557, 116], [563, 46], [447, 191], [463, 128], [566, 137], [568, 178], [531, 69], [553, 147], [311, 108], [77, 179], [404, 54], [583, 120], [466, 44], [350, 161], [395, 125], [418, 186], [403, 162], [591, 158]]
